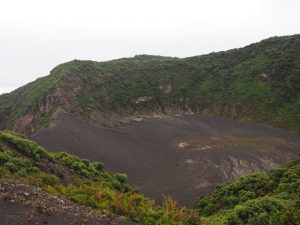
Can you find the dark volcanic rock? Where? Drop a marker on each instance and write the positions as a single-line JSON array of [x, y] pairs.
[[178, 156]]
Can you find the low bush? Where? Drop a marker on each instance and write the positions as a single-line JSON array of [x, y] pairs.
[[22, 144], [266, 210], [16, 164]]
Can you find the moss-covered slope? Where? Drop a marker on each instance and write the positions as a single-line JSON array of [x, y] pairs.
[[272, 198], [260, 82]]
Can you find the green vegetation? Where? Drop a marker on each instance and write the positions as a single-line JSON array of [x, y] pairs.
[[259, 82], [21, 143], [90, 100], [256, 199], [43, 119], [15, 164]]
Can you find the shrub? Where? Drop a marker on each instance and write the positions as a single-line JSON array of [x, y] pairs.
[[11, 167], [16, 164], [121, 177], [24, 145], [98, 166], [267, 210], [5, 156]]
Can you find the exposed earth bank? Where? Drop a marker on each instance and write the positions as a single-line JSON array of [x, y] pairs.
[[23, 204], [181, 156]]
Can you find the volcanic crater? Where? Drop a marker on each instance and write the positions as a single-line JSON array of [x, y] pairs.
[[182, 156]]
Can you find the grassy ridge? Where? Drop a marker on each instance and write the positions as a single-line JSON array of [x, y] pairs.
[[259, 82]]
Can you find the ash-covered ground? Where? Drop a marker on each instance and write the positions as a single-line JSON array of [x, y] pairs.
[[181, 156]]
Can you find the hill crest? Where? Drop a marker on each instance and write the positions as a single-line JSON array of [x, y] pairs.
[[259, 82]]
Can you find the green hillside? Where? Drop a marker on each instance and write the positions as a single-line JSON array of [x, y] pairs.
[[272, 198], [260, 82]]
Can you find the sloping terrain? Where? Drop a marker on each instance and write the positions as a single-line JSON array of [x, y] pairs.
[[166, 122], [31, 179], [41, 186], [183, 156], [27, 205], [259, 82], [272, 198]]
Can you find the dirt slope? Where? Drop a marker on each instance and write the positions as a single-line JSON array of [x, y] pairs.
[[179, 156], [22, 204]]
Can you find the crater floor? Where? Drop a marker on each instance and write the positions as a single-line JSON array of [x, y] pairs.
[[181, 156]]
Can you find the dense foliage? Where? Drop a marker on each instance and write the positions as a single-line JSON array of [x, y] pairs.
[[23, 144], [272, 198], [259, 82]]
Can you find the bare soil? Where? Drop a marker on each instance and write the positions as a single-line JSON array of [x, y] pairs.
[[181, 156], [25, 205]]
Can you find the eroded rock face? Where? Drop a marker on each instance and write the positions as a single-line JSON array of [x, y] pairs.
[[23, 122], [183, 156]]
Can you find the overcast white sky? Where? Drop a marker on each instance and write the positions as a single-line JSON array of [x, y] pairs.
[[37, 35]]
